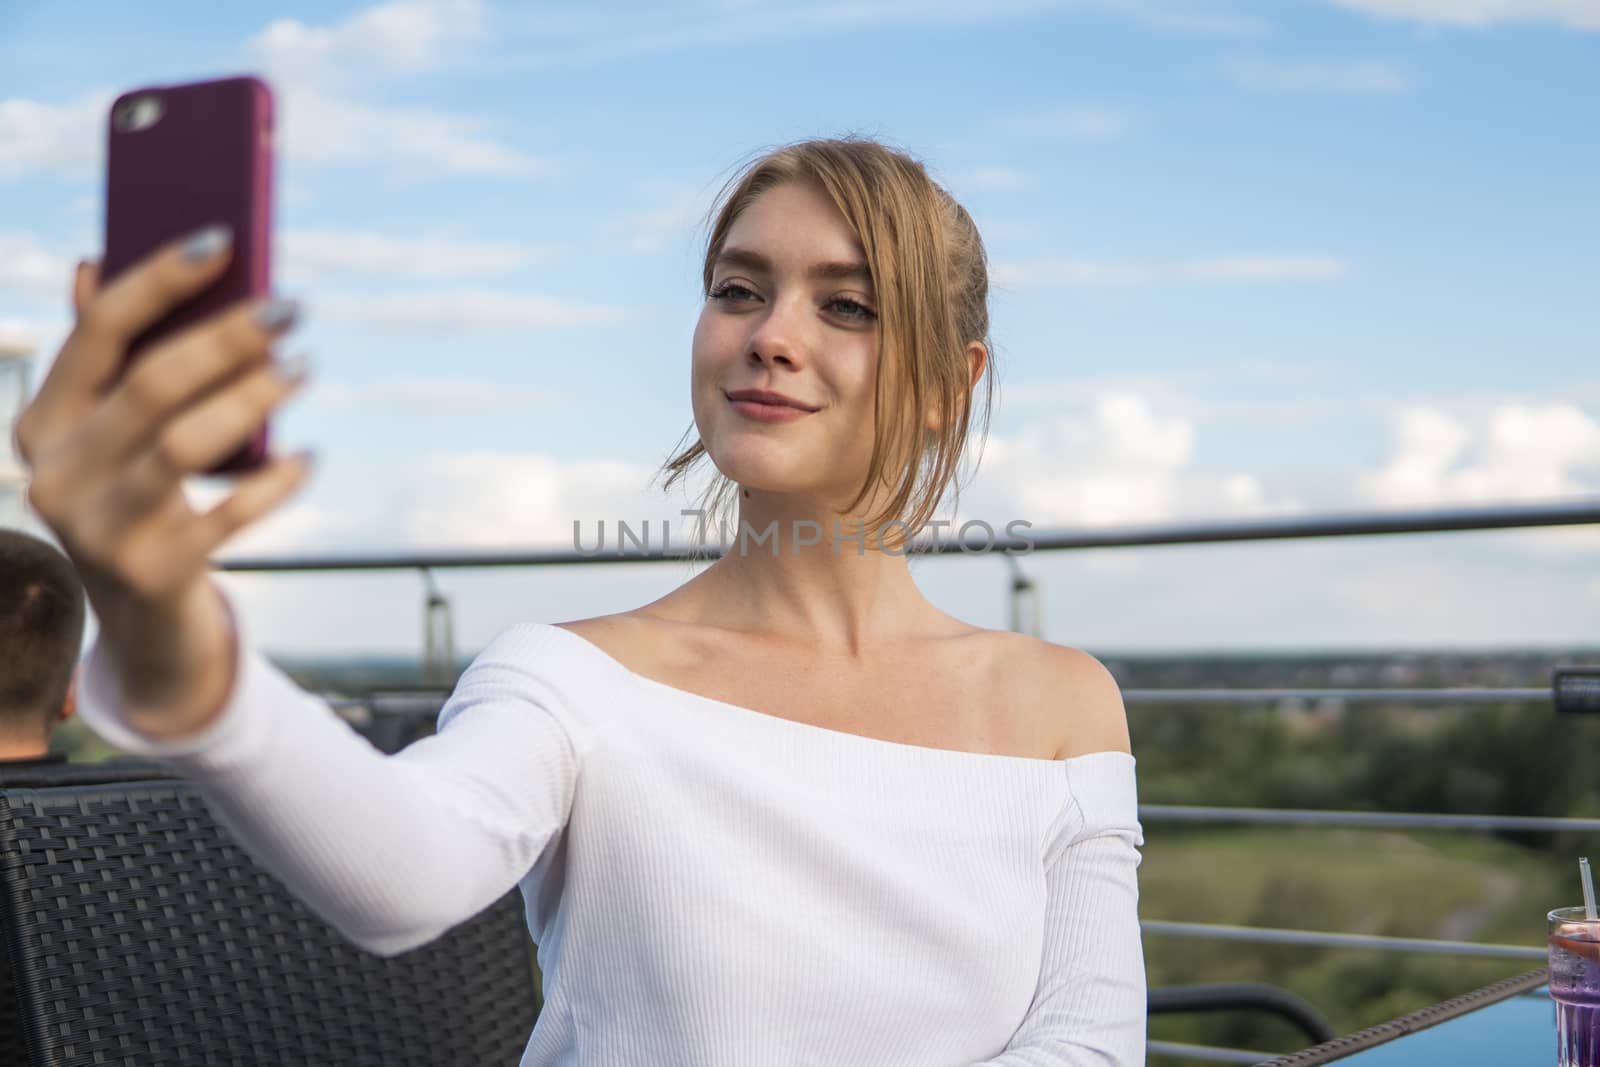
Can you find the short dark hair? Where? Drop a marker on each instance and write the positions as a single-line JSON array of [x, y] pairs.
[[42, 614]]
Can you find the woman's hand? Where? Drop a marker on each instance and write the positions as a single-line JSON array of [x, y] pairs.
[[108, 456]]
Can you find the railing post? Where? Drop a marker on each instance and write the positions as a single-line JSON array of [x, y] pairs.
[[1024, 600], [1576, 691], [438, 636]]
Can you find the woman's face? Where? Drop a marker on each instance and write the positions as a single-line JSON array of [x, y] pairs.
[[791, 311]]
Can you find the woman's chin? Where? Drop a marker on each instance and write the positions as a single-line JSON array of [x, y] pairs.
[[757, 480], [766, 478], [760, 463], [776, 467]]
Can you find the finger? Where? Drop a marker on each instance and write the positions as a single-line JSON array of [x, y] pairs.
[[256, 495], [85, 280], [196, 363], [96, 446], [122, 309], [205, 435], [85, 283], [163, 552]]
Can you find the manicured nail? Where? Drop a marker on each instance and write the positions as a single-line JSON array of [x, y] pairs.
[[204, 244], [292, 370], [277, 315]]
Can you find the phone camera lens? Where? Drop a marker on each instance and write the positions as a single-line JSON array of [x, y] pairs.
[[140, 113]]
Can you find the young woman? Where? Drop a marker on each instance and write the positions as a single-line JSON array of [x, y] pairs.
[[790, 812]]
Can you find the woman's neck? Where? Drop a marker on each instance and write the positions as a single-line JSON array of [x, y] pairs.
[[792, 577]]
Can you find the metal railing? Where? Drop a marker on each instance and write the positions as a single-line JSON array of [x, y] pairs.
[[1318, 939], [1571, 513], [1234, 697], [1366, 819], [1024, 615]]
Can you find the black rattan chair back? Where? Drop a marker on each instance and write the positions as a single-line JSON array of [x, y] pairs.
[[53, 775], [140, 933], [35, 774]]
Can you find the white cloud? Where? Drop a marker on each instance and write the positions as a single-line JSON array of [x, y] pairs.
[[465, 311], [436, 396], [316, 127], [296, 529], [1524, 452], [1121, 461], [1081, 122], [314, 254], [1208, 394], [39, 335], [1033, 273], [1357, 76], [584, 41], [1521, 453], [16, 334], [1575, 14], [498, 500], [52, 138], [404, 35], [315, 70], [27, 265]]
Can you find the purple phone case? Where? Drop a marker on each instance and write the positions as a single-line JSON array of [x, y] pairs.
[[207, 160]]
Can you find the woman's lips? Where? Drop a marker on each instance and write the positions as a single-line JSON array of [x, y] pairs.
[[768, 412]]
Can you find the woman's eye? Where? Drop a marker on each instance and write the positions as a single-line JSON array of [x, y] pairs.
[[729, 289], [853, 310]]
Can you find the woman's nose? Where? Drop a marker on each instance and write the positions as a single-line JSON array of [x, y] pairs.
[[779, 337]]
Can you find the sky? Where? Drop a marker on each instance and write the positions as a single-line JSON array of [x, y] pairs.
[[1248, 258]]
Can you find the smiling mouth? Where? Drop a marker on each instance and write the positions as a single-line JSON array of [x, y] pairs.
[[764, 411], [767, 398]]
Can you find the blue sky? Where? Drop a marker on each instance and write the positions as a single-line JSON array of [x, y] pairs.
[[1249, 258]]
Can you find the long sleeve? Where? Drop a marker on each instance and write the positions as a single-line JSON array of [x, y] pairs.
[[391, 851], [1090, 1007]]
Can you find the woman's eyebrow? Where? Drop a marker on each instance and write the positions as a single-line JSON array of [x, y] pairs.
[[760, 264]]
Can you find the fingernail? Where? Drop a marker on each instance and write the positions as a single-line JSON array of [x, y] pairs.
[[293, 369], [204, 244], [277, 314]]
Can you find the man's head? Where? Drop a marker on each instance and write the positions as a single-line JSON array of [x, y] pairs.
[[41, 631]]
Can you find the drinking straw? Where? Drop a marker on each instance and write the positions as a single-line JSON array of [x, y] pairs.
[[1588, 890]]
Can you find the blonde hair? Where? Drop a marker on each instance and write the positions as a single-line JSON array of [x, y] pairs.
[[931, 278]]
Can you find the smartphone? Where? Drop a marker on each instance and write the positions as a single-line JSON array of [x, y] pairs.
[[180, 158]]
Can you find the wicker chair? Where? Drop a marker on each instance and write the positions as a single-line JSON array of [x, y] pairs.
[[13, 1042], [139, 933]]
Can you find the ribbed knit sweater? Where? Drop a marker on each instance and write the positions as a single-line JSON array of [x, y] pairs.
[[708, 885]]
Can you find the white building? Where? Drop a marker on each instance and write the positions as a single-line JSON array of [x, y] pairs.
[[16, 365]]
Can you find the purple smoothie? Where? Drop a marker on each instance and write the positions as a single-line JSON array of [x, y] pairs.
[[1575, 987]]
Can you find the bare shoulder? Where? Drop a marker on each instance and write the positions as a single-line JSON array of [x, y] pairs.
[[596, 626], [1074, 691], [634, 638], [612, 633]]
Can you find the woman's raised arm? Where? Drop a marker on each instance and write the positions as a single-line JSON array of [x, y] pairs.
[[392, 851]]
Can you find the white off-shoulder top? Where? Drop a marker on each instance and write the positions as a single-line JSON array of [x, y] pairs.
[[708, 885]]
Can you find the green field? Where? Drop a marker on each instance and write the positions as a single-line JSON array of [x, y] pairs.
[[1438, 884]]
